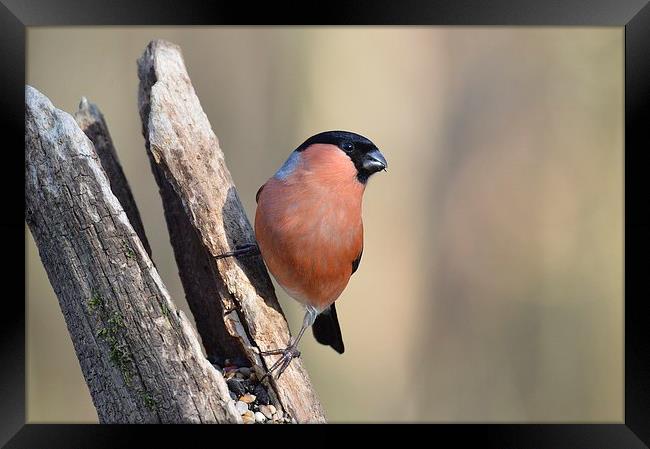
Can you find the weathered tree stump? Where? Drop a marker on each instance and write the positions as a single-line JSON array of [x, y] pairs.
[[140, 357], [232, 299]]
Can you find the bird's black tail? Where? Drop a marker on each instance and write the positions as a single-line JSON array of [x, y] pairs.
[[327, 331]]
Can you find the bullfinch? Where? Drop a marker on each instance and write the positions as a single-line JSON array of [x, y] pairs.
[[309, 229]]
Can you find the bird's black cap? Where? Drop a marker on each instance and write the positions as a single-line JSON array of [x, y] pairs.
[[364, 154]]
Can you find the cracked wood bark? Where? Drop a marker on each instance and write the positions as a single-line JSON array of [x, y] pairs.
[[92, 123], [233, 300], [140, 357]]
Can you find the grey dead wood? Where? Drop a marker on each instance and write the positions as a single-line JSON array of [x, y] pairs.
[[139, 355], [91, 121], [232, 299]]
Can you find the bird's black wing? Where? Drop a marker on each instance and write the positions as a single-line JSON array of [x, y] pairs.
[[357, 261], [257, 195], [327, 330]]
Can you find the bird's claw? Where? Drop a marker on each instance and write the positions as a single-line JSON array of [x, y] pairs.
[[247, 249], [288, 354]]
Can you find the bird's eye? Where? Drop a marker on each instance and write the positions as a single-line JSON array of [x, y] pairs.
[[347, 147]]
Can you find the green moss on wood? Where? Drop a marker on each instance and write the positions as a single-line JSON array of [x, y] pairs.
[[148, 400], [164, 309], [118, 352], [95, 302], [127, 250]]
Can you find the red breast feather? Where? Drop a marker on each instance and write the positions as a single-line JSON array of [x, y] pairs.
[[308, 225]]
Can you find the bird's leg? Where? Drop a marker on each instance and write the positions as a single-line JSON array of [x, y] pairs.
[[247, 249], [290, 352]]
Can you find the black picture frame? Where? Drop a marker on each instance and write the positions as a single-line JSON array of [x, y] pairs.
[[634, 15]]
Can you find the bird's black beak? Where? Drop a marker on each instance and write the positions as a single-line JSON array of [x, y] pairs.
[[374, 161]]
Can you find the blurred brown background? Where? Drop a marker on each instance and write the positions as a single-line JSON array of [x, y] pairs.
[[491, 282]]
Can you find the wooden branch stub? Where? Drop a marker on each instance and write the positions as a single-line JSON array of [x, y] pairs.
[[233, 300], [139, 355], [91, 121]]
